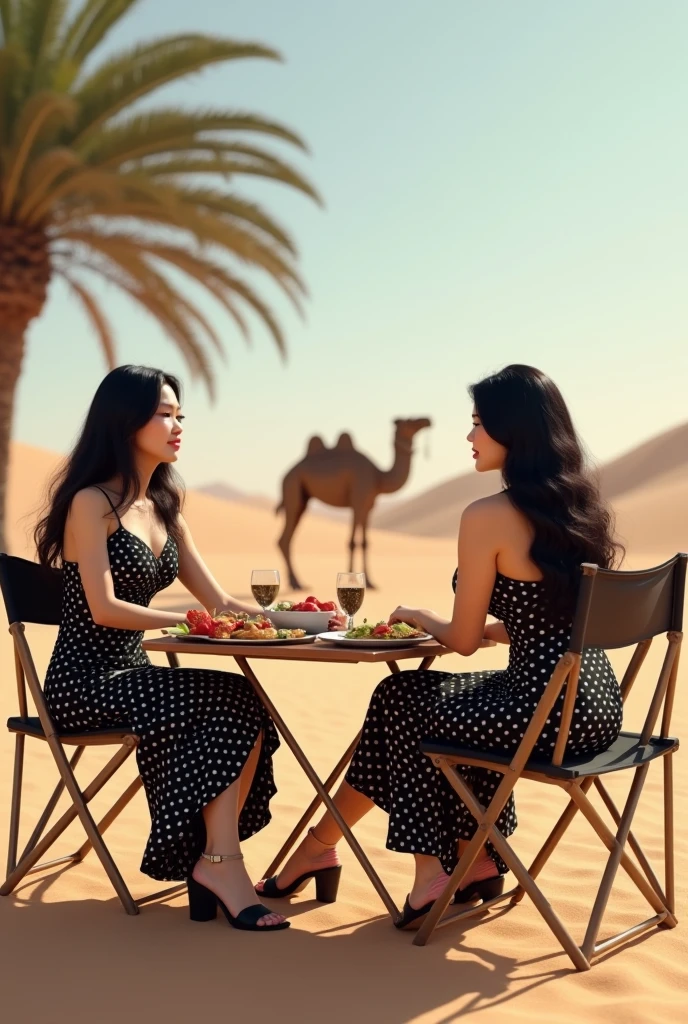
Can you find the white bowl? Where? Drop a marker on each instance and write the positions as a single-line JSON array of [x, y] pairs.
[[312, 622]]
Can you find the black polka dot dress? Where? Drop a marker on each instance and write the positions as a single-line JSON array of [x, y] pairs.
[[485, 710], [196, 727]]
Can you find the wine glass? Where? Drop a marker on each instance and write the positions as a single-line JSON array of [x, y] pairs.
[[350, 593], [265, 585]]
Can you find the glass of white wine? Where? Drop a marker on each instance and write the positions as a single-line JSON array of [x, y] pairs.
[[265, 585], [350, 593]]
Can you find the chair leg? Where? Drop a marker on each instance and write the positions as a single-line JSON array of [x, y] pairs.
[[618, 857], [16, 803], [114, 812], [632, 841], [485, 831], [50, 806], [79, 801], [669, 832], [551, 843]]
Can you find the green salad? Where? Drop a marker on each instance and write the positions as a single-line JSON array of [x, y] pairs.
[[383, 631]]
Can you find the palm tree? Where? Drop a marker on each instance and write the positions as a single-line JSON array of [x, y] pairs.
[[89, 186]]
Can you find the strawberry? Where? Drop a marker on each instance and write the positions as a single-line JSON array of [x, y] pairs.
[[328, 606], [312, 600], [308, 606]]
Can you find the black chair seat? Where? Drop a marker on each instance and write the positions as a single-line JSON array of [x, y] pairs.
[[92, 737], [625, 752]]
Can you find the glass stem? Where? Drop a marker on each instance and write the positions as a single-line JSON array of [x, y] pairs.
[[351, 623]]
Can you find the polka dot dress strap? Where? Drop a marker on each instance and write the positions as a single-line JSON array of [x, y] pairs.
[[119, 521]]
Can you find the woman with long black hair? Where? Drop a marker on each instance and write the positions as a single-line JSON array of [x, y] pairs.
[[114, 526], [519, 560]]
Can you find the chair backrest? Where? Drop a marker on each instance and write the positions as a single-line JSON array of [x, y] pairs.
[[618, 609], [31, 592]]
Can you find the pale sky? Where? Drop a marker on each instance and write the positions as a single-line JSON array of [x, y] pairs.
[[504, 182]]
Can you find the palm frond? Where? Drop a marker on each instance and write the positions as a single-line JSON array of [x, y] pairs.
[[42, 111], [138, 71], [7, 20], [185, 340], [13, 66], [252, 299], [233, 209], [234, 160], [168, 130], [96, 317], [129, 254], [212, 276], [207, 229], [90, 186], [42, 175], [38, 25], [89, 26]]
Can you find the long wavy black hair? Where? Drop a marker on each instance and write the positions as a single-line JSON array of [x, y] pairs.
[[125, 401], [546, 477]]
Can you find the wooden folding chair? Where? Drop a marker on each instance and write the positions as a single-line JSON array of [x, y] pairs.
[[614, 609], [33, 593]]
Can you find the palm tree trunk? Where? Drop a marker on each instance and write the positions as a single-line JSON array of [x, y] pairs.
[[11, 354]]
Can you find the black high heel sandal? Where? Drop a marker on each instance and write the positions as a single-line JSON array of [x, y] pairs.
[[203, 904], [326, 882], [485, 890]]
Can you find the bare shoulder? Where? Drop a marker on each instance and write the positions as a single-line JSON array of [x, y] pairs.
[[89, 503], [492, 510]]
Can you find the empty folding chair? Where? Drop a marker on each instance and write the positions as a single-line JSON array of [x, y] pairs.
[[614, 609], [33, 594]]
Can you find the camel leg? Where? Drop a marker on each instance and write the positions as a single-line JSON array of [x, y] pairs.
[[352, 542], [364, 545], [295, 502]]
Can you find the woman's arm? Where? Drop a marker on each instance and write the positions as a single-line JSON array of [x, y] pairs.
[[88, 531], [497, 631], [465, 630], [199, 581]]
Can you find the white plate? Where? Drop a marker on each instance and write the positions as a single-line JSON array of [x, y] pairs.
[[340, 638], [308, 639]]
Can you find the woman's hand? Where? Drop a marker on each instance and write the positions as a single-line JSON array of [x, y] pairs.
[[411, 616]]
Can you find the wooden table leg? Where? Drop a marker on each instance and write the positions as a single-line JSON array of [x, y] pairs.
[[305, 764], [312, 808]]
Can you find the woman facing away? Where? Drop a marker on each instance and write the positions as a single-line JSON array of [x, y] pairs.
[[519, 561], [205, 749]]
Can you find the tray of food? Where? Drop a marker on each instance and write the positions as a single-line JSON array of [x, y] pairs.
[[227, 627]]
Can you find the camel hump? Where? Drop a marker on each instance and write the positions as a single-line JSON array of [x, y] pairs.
[[344, 443], [316, 446]]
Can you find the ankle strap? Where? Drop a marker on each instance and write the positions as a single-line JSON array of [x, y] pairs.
[[328, 846], [216, 858]]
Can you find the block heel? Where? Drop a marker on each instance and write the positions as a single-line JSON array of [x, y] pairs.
[[485, 890], [202, 902], [327, 884]]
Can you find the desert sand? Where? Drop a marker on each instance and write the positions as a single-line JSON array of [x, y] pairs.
[[71, 954]]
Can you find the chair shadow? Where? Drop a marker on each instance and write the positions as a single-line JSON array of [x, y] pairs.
[[355, 965], [94, 939]]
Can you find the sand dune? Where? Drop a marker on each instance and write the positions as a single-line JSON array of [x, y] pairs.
[[645, 464], [75, 956], [654, 471]]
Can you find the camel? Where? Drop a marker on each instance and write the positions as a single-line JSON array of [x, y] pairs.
[[344, 478]]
